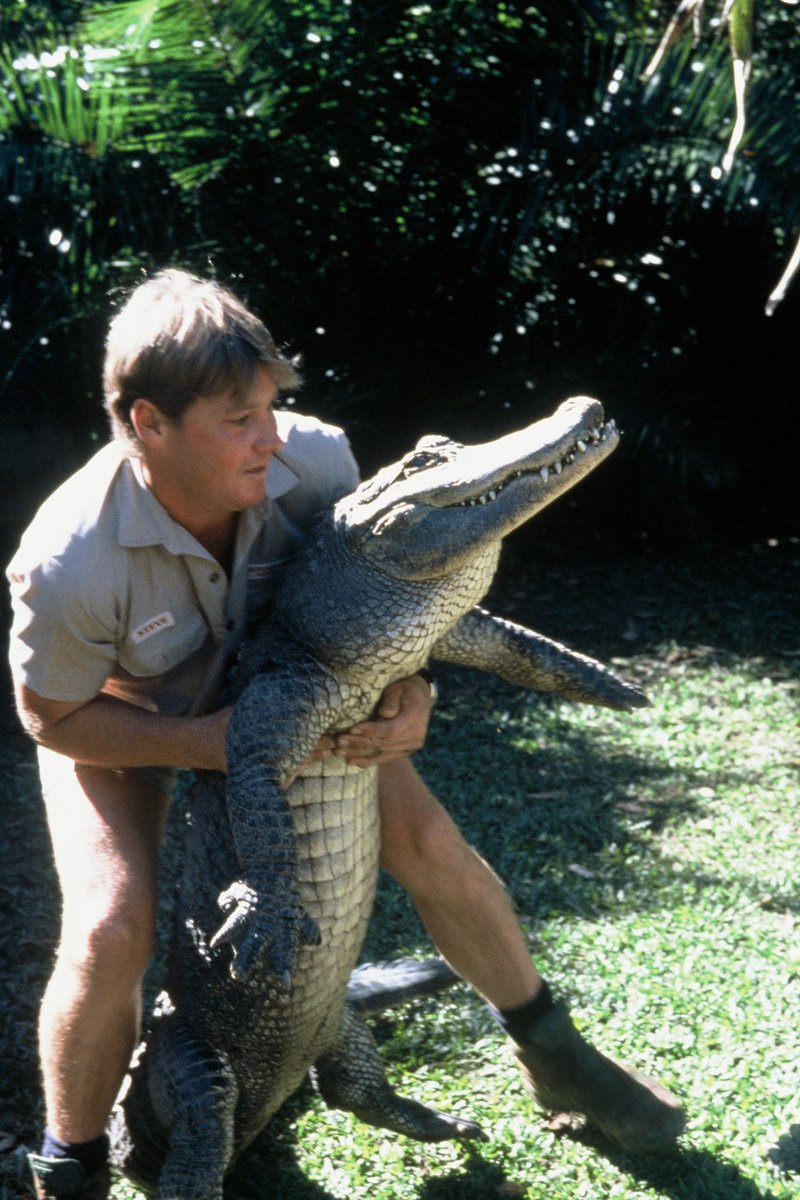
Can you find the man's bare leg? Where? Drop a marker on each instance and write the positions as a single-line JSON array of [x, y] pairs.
[[460, 900], [467, 912], [106, 829]]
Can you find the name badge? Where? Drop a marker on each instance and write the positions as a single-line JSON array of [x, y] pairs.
[[154, 625]]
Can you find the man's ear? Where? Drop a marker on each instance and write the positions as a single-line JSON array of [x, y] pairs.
[[148, 421]]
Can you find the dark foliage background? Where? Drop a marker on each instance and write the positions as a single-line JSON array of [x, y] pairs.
[[457, 212]]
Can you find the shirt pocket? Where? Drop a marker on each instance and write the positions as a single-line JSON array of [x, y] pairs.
[[161, 642]]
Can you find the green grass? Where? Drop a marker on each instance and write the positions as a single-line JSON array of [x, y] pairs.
[[652, 858]]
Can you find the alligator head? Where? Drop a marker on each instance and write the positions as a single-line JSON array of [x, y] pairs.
[[410, 518]]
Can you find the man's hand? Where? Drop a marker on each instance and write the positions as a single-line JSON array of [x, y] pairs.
[[397, 728]]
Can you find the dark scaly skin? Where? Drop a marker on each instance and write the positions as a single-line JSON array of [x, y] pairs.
[[256, 997], [223, 1056], [530, 660]]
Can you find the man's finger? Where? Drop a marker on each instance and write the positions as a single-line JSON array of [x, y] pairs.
[[362, 735]]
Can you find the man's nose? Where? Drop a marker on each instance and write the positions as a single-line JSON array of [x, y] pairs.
[[267, 436]]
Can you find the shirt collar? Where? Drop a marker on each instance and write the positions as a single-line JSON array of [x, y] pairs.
[[143, 520], [280, 478]]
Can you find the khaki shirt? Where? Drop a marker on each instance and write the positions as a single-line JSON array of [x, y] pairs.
[[111, 595]]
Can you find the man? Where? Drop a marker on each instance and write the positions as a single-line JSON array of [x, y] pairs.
[[131, 590]]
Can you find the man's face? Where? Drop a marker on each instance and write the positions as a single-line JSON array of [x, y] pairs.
[[213, 461]]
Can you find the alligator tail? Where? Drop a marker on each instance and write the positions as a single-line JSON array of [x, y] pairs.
[[374, 987]]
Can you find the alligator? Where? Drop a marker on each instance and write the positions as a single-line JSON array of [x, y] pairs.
[[389, 579]]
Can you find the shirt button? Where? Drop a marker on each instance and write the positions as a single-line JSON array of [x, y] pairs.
[[229, 624], [213, 577]]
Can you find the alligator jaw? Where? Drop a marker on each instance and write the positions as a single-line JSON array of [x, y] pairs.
[[579, 457], [410, 519]]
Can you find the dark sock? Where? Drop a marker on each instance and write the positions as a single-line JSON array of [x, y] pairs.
[[517, 1022], [91, 1155]]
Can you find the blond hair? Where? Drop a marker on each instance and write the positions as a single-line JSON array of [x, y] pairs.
[[178, 338]]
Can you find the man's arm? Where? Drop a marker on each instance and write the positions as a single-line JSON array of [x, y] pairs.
[[107, 732]]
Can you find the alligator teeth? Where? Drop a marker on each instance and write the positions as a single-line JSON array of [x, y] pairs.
[[595, 436]]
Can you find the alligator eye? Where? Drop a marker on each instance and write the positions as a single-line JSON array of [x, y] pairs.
[[418, 462]]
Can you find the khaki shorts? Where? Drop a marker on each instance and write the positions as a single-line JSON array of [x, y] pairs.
[[163, 778], [53, 768]]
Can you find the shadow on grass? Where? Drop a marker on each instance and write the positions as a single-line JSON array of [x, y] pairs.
[[269, 1168], [681, 1175], [685, 1174], [272, 1170], [30, 906], [786, 1153]]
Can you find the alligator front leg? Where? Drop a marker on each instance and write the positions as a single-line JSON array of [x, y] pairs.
[[528, 659], [276, 723], [351, 1077]]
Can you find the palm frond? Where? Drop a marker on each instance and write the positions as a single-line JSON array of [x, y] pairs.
[[51, 94]]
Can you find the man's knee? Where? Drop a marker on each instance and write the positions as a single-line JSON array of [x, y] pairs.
[[105, 828], [112, 946], [422, 842]]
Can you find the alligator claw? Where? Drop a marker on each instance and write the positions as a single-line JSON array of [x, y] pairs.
[[263, 933]]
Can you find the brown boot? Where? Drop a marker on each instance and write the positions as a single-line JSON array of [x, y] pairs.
[[65, 1179], [565, 1074]]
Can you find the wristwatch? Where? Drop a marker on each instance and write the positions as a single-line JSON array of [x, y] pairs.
[[428, 676]]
